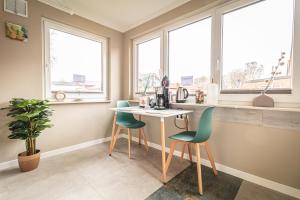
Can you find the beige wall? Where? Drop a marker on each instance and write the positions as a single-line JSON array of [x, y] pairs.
[[266, 147], [268, 152], [21, 76]]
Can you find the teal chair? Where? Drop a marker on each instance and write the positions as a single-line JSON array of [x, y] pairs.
[[196, 138], [127, 120]]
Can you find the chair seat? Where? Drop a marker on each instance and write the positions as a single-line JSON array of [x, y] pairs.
[[131, 124], [186, 136]]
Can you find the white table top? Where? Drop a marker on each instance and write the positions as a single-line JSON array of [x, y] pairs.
[[151, 112]]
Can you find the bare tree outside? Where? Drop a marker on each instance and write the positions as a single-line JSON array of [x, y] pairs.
[[253, 38]]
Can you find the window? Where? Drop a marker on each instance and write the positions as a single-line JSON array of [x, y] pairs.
[[237, 45], [148, 64], [253, 39], [75, 62], [190, 55]]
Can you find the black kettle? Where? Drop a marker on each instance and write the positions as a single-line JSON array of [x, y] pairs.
[[181, 95]]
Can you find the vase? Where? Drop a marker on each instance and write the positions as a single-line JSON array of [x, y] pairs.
[[263, 100]]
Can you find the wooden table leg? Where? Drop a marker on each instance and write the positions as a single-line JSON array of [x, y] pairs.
[[113, 133], [186, 123], [187, 129], [163, 148], [129, 143], [140, 133]]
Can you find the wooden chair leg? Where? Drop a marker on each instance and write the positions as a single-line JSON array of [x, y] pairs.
[[129, 143], [115, 138], [211, 158], [140, 135], [144, 138], [183, 151], [170, 156], [111, 143], [190, 152], [112, 133], [199, 173]]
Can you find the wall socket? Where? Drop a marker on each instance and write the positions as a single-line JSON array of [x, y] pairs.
[[181, 117]]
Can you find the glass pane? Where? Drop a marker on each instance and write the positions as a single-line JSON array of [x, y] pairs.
[[253, 39], [190, 55], [76, 63], [148, 61]]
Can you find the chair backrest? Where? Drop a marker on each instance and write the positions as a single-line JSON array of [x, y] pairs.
[[205, 126], [122, 116]]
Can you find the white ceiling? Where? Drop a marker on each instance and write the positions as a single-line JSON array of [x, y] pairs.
[[121, 15]]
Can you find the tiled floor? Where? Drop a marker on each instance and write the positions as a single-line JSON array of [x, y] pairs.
[[92, 174], [251, 191]]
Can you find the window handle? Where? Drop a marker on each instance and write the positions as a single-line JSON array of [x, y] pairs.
[[218, 64]]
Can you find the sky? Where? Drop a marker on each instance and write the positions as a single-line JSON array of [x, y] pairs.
[[149, 56], [190, 51], [74, 55], [259, 32]]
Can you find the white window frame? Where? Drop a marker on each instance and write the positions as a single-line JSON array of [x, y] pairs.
[[135, 43], [216, 10], [164, 51], [219, 34], [80, 96]]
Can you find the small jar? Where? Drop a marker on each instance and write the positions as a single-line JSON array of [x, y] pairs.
[[200, 96]]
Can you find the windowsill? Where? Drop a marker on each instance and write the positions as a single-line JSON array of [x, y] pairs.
[[241, 107], [53, 102], [277, 91], [233, 106], [133, 101]]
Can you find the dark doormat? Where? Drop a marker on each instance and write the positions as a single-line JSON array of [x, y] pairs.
[[185, 186]]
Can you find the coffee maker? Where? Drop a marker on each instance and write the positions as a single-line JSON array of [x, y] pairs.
[[162, 95]]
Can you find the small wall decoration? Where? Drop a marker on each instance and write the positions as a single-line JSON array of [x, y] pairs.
[[16, 32]]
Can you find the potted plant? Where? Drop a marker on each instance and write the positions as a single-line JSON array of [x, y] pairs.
[[30, 118]]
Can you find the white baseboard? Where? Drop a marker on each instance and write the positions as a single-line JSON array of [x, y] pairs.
[[14, 163], [234, 172], [8, 164], [74, 147]]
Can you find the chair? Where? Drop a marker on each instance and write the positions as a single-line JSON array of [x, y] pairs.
[[196, 138], [127, 120]]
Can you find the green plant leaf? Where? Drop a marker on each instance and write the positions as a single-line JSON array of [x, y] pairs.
[[29, 118]]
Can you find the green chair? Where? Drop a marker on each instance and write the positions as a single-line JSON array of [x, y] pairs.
[[196, 138], [127, 120]]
